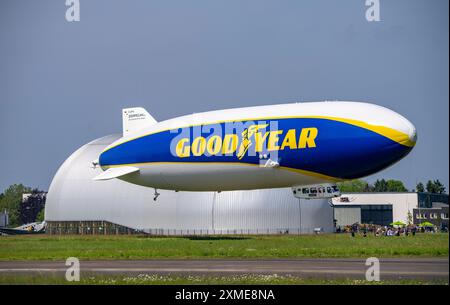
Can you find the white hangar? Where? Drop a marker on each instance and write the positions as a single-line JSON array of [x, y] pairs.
[[78, 205]]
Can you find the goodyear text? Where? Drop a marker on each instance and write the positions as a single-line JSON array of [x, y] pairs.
[[238, 144]]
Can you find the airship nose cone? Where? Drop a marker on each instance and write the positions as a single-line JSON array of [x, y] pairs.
[[410, 137], [403, 131], [412, 134], [385, 139]]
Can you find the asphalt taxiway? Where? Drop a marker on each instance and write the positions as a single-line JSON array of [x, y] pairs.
[[394, 268]]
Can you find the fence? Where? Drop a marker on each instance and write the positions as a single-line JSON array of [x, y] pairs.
[[99, 227]]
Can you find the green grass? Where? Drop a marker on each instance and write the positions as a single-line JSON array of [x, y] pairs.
[[45, 247], [152, 279]]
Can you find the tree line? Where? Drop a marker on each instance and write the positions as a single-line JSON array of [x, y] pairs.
[[390, 185], [30, 210]]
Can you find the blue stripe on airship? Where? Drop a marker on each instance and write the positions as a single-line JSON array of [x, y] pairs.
[[343, 150]]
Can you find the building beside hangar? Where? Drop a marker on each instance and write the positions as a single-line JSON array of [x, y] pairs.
[[385, 208], [76, 204]]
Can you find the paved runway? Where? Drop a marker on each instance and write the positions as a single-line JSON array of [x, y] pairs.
[[399, 268]]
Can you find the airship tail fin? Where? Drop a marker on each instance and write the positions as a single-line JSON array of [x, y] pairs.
[[134, 119], [112, 173]]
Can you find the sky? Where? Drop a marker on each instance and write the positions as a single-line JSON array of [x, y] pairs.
[[63, 84]]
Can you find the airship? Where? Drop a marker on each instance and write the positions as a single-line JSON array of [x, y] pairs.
[[308, 146]]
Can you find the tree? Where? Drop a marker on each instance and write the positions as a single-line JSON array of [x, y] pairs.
[[395, 186], [420, 188], [430, 186], [435, 187], [380, 186], [355, 186], [409, 217], [440, 188], [11, 201], [31, 206], [40, 217], [390, 185]]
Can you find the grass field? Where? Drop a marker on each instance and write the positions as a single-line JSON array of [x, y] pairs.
[[152, 279], [44, 247]]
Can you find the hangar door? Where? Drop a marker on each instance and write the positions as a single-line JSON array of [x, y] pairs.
[[347, 215]]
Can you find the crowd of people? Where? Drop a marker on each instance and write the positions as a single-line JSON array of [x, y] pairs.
[[378, 230]]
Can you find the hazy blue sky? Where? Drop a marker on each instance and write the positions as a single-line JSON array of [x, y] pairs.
[[63, 84]]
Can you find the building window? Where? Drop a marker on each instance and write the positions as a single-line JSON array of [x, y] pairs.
[[376, 214], [444, 215], [421, 216]]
